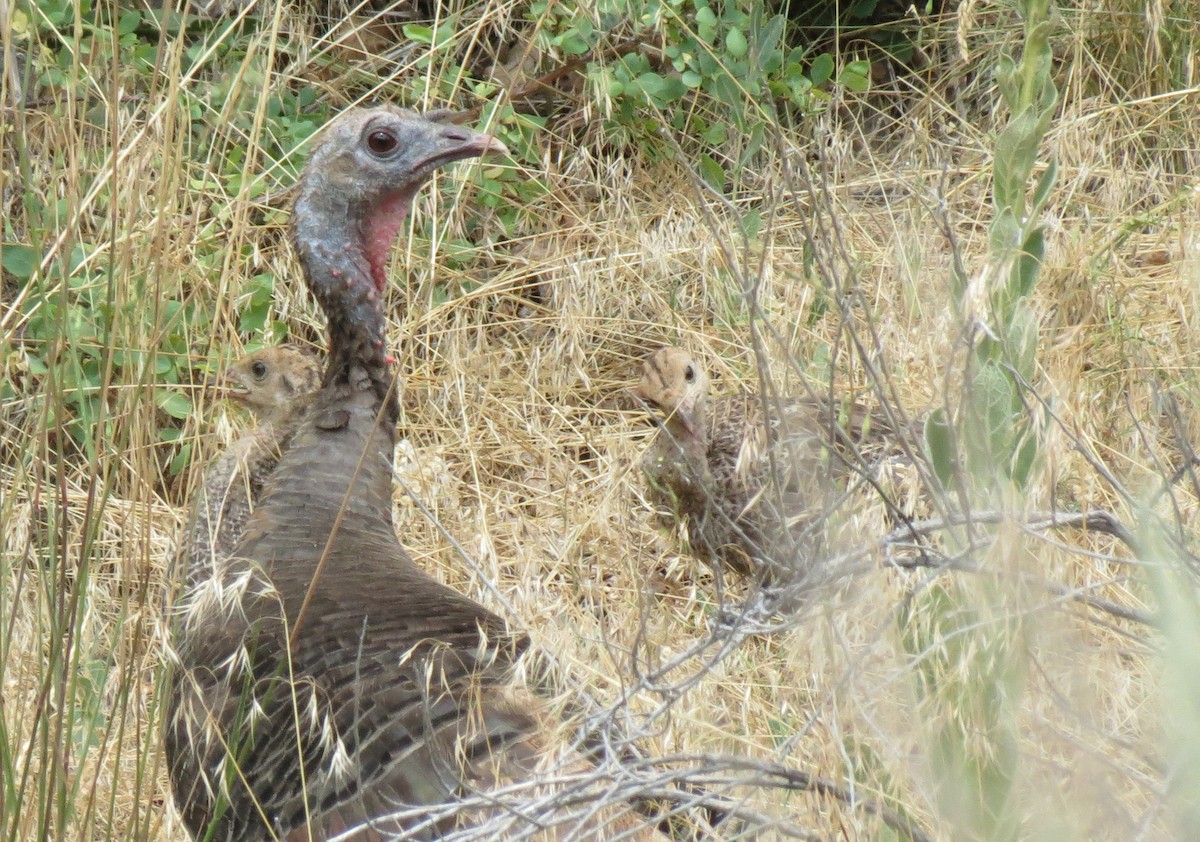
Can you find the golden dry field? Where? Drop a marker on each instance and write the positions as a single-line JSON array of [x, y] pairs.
[[998, 657]]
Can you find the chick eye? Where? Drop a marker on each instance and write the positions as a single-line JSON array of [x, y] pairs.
[[382, 142], [259, 370], [689, 374]]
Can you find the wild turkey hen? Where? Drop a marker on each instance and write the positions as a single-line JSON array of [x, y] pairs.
[[274, 384], [746, 486], [342, 691]]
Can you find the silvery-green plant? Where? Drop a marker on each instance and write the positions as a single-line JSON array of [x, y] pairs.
[[966, 642], [992, 441]]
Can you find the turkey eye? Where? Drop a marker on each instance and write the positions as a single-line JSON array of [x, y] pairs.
[[689, 374], [259, 370], [382, 142]]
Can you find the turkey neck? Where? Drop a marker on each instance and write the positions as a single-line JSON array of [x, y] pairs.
[[694, 440], [338, 468], [328, 235], [692, 444]]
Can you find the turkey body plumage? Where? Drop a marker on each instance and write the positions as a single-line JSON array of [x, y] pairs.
[[384, 670]]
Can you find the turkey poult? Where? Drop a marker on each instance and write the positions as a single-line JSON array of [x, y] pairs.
[[274, 384], [343, 692], [747, 487]]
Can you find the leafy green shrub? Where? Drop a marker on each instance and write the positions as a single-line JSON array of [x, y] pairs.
[[711, 72]]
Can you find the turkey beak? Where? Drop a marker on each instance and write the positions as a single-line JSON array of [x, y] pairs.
[[479, 143], [494, 145], [454, 143]]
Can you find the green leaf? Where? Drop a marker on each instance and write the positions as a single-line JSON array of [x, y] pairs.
[[939, 445], [735, 43], [173, 403], [254, 319], [572, 43], [1008, 81], [181, 460], [1025, 459], [725, 88], [128, 23], [1022, 339], [447, 32], [751, 223], [19, 261], [706, 25], [800, 89], [734, 16], [1044, 185], [1005, 234], [715, 134], [712, 173], [1029, 263], [753, 144], [661, 89], [855, 76], [768, 38], [1016, 153], [991, 425], [262, 287], [418, 33]]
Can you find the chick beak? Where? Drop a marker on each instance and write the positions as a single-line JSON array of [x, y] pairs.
[[226, 387], [684, 414]]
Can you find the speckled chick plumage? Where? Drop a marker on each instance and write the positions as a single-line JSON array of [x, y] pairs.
[[742, 477], [274, 384]]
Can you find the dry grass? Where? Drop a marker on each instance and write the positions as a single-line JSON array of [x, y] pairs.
[[522, 443]]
